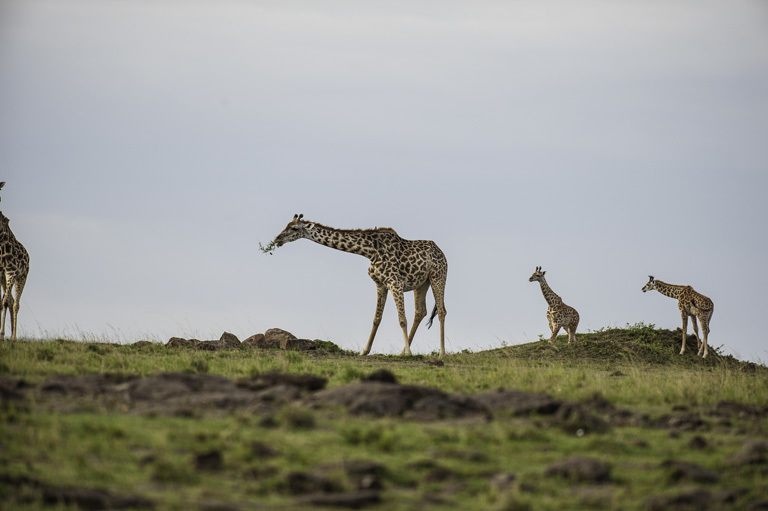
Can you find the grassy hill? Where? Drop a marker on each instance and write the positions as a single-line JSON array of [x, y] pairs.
[[635, 344], [617, 420]]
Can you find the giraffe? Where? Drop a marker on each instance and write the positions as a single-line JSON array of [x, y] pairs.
[[397, 265], [14, 267], [690, 303], [559, 314]]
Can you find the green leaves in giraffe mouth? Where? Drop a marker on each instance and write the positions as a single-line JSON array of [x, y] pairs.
[[269, 248]]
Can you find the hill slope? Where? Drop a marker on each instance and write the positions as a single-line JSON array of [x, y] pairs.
[[638, 344]]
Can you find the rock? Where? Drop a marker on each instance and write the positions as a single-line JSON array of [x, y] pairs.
[[380, 399], [306, 382], [230, 339], [365, 475], [698, 442], [681, 422], [278, 335], [140, 344], [298, 344], [380, 375], [262, 451], [574, 418], [446, 406], [502, 481], [91, 499], [758, 505], [178, 342], [685, 471], [580, 469], [691, 500], [11, 389], [351, 500], [518, 402], [256, 341], [753, 452], [300, 483], [211, 460], [738, 410]]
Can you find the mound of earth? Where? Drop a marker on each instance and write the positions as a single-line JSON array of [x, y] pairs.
[[639, 344]]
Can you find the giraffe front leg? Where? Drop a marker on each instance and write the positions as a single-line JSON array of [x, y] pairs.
[[555, 330], [381, 300], [685, 331], [397, 294]]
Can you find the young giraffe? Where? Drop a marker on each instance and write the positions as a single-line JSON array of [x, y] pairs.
[[397, 265], [690, 303], [558, 313], [14, 268]]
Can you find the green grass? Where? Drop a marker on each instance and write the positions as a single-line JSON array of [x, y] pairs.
[[440, 465]]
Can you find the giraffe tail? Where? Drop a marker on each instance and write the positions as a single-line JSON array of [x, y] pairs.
[[432, 317]]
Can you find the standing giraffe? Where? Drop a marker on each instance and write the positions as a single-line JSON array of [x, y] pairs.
[[690, 303], [559, 314], [14, 267], [397, 265]]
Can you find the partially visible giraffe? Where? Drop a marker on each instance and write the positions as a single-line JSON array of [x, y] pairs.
[[397, 265], [14, 268], [691, 304], [559, 314]]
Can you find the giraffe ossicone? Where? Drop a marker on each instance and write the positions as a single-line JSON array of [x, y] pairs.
[[559, 315], [397, 266], [691, 304]]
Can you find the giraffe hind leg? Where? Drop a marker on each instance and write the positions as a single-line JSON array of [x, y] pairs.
[[438, 291], [16, 304], [705, 332], [695, 326], [381, 300], [420, 299]]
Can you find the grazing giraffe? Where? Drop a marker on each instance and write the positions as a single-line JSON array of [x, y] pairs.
[[14, 268], [559, 314], [690, 303], [397, 265]]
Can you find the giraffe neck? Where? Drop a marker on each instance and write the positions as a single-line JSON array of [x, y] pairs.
[[12, 252], [670, 290], [550, 296], [355, 241]]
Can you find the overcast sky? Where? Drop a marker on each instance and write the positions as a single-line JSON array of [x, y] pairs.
[[149, 146]]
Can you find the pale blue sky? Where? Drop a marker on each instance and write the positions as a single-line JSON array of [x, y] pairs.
[[149, 146]]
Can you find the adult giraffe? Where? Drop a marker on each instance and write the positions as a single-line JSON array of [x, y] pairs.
[[397, 265]]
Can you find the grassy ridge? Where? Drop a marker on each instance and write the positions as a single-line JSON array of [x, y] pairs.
[[441, 465]]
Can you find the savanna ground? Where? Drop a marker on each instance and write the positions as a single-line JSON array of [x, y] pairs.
[[616, 421]]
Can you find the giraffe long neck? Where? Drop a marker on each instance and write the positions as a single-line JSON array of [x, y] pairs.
[[670, 290], [353, 241], [550, 296]]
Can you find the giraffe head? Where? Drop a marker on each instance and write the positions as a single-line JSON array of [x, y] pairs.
[[650, 285], [296, 229], [537, 275]]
